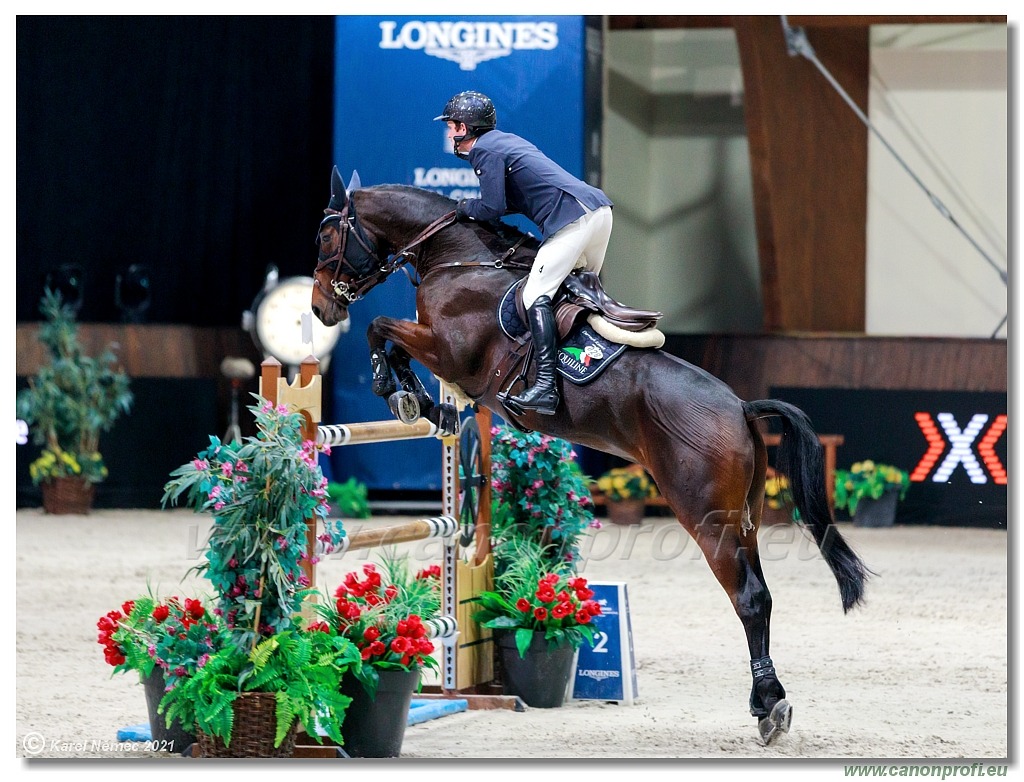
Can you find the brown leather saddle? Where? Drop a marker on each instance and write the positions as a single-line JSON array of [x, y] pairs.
[[581, 295]]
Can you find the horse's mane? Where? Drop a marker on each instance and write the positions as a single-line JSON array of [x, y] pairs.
[[434, 205]]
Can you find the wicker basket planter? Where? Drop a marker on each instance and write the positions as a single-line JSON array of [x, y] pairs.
[[63, 496], [255, 725]]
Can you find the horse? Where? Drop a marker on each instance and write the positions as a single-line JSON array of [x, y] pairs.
[[699, 442]]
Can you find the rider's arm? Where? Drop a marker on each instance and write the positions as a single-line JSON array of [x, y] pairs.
[[490, 170]]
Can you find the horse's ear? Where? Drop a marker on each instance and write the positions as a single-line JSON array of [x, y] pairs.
[[338, 195], [353, 182]]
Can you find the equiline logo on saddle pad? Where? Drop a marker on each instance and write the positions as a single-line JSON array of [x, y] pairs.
[[582, 355]]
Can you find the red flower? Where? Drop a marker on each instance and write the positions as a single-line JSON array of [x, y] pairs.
[[545, 594], [401, 645], [593, 607], [371, 634], [127, 607], [583, 616], [194, 608], [434, 571], [320, 627], [540, 614], [561, 610], [161, 612], [523, 604], [377, 648]]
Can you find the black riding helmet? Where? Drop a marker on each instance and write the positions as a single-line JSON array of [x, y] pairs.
[[475, 110]]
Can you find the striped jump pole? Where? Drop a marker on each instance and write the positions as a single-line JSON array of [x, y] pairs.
[[335, 435]]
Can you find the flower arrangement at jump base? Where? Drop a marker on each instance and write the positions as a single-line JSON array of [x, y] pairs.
[[538, 491], [164, 640], [383, 612], [173, 634], [270, 675], [67, 405], [540, 614], [260, 492]]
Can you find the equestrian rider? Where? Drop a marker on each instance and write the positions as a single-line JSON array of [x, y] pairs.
[[576, 219]]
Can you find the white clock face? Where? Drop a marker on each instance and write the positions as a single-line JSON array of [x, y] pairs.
[[279, 323]]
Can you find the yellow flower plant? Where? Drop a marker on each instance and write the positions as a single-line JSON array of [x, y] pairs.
[[627, 483]]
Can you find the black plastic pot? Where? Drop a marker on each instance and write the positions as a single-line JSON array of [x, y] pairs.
[[542, 676], [174, 738], [877, 513], [375, 727]]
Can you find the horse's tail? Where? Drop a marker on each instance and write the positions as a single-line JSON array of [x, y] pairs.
[[801, 460]]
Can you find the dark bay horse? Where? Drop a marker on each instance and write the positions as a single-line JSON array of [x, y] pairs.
[[699, 442]]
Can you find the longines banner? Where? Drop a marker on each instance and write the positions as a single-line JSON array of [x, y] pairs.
[[952, 443], [393, 75]]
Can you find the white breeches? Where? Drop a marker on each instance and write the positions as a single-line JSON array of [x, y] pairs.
[[581, 244]]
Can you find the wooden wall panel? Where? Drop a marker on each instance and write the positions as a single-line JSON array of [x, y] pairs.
[[753, 364], [148, 350], [808, 157]]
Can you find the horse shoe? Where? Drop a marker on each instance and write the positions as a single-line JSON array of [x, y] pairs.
[[776, 723]]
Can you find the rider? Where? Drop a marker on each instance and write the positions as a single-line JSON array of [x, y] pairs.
[[517, 178]]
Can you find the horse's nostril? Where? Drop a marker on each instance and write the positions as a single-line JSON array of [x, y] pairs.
[[316, 312]]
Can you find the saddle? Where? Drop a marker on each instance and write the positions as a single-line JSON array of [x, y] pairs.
[[586, 320], [582, 295]]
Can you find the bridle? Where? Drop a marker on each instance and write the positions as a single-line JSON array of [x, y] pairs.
[[359, 260], [361, 263]]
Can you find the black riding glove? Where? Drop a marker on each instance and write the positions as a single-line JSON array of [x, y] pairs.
[[460, 213]]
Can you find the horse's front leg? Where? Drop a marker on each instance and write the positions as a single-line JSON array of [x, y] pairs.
[[409, 340]]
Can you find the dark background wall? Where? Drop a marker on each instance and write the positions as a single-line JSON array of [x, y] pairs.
[[198, 146]]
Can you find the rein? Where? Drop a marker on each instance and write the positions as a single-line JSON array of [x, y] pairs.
[[348, 292]]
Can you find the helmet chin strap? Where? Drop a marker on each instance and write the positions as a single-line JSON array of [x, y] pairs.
[[456, 140]]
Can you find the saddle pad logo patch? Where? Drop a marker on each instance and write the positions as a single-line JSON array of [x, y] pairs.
[[582, 355]]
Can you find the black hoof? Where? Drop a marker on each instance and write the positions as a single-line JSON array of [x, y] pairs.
[[447, 419], [776, 723]]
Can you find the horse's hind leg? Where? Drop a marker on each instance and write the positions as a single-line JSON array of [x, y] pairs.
[[730, 544]]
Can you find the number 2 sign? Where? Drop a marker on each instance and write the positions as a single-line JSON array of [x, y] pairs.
[[606, 671]]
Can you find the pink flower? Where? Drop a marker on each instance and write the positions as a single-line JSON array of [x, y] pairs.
[[200, 464], [227, 468]]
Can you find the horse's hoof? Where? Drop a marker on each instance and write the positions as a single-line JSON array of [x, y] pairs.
[[776, 723], [448, 420], [404, 406]]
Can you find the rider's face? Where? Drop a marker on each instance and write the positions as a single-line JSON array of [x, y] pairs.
[[459, 129]]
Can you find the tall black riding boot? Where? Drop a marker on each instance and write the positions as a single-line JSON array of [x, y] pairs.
[[543, 395]]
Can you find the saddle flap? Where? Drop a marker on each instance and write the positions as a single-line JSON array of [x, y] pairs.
[[585, 288]]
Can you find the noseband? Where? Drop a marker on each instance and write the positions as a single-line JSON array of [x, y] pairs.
[[359, 260]]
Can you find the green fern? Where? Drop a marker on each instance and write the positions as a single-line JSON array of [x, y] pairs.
[[303, 670]]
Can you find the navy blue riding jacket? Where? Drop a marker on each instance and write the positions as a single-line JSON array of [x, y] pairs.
[[517, 178]]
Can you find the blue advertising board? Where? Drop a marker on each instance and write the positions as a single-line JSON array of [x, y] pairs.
[[606, 671], [393, 75]]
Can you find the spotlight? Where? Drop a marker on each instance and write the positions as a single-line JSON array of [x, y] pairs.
[[132, 293], [68, 280]]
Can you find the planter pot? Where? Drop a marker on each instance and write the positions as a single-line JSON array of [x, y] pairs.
[[255, 726], [542, 676], [626, 512], [375, 727], [63, 496], [174, 738], [877, 513]]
